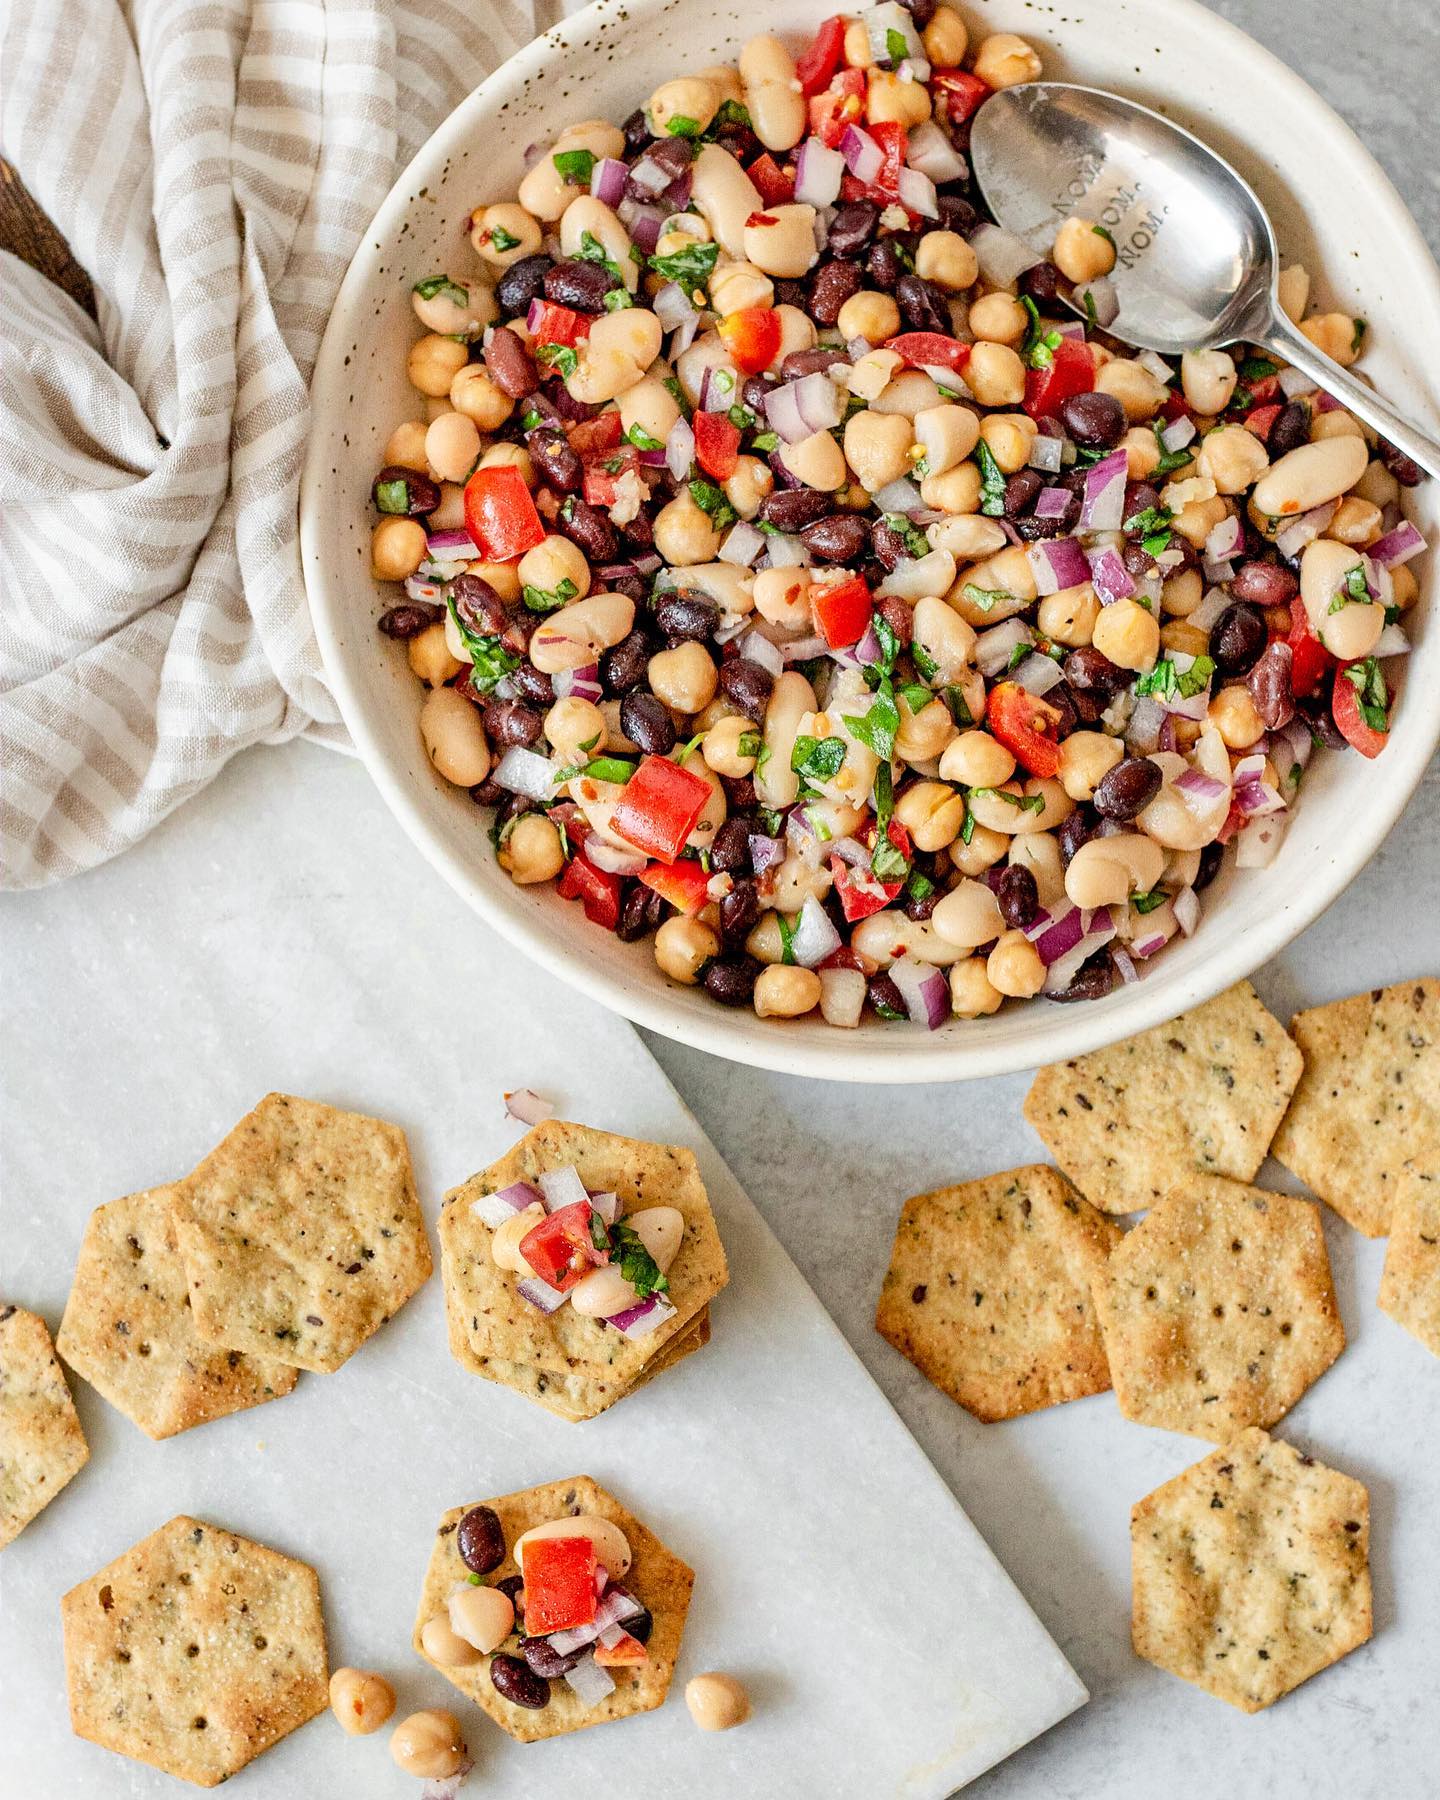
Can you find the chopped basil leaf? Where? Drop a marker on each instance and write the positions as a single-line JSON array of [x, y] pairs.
[[992, 481], [889, 646], [1040, 345], [1022, 802], [731, 113], [884, 1010], [1165, 680], [1101, 232], [876, 728], [897, 45], [637, 1265], [610, 768], [1170, 459], [599, 1236], [1370, 691], [711, 500], [787, 938], [673, 388], [1392, 615], [692, 267], [543, 600], [766, 440], [682, 125], [531, 421], [740, 417], [764, 526], [959, 711], [575, 166], [1258, 368], [1092, 315], [925, 663], [392, 496], [442, 284], [592, 250], [761, 763], [641, 438], [1021, 653], [884, 797], [557, 356], [919, 887], [490, 660], [749, 743], [985, 599], [967, 830], [915, 696], [1361, 327], [887, 862], [1146, 903], [914, 538], [503, 240], [770, 822], [818, 759], [616, 300], [1154, 518]]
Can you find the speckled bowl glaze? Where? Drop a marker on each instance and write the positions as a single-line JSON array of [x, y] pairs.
[[1333, 208]]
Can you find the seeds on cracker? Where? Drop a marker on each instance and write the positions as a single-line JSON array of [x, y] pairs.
[[1218, 1309], [1251, 1571], [41, 1444], [128, 1327], [1410, 1285], [989, 1291], [1206, 1091], [194, 1651], [1368, 1102], [301, 1233]]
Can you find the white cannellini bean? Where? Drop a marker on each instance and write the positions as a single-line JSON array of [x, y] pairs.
[[772, 96], [1310, 475], [726, 195], [1106, 871], [592, 215], [777, 783], [1354, 628], [576, 634]]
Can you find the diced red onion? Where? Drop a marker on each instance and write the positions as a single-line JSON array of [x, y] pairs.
[[1148, 944], [1225, 540], [431, 592], [1396, 547], [994, 648], [1178, 433], [562, 1187], [638, 1321], [1052, 502], [540, 1294], [590, 1683], [1038, 674], [650, 176], [447, 1787], [804, 649], [1103, 507], [765, 852], [758, 648], [842, 997], [1002, 256], [1047, 455], [1218, 572], [1392, 641], [672, 306], [607, 1205], [1256, 845], [616, 1608], [852, 851], [1210, 608], [612, 859], [1292, 538], [564, 1643], [899, 496], [1113, 581], [1097, 928], [815, 934], [915, 577], [1055, 933], [1326, 403], [1187, 910], [1128, 971], [1295, 382], [1253, 794], [1197, 785], [888, 17], [946, 378], [1057, 563], [607, 181], [917, 193], [1103, 297], [798, 409], [743, 544], [863, 156], [680, 449], [642, 219], [521, 771], [929, 150], [582, 684], [452, 545], [924, 989], [529, 1107], [818, 172], [1147, 720], [1155, 364], [787, 552], [494, 1209]]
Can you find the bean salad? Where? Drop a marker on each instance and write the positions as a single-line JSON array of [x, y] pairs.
[[802, 577]]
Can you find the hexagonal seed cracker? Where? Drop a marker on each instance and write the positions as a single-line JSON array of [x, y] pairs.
[[1218, 1309], [1205, 1091], [656, 1577], [128, 1328], [41, 1444], [1369, 1100], [194, 1651], [988, 1292], [301, 1233], [1410, 1285], [1251, 1571], [500, 1323]]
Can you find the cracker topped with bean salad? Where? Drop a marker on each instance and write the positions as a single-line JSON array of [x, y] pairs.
[[800, 573]]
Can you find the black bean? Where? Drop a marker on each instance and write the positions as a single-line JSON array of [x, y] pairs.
[[1290, 430], [641, 1626], [681, 614], [1074, 829], [1138, 561], [632, 586], [887, 545], [421, 493], [883, 265], [513, 806], [957, 214], [794, 508], [1066, 704], [1095, 420], [582, 286], [740, 141], [637, 132], [588, 527], [1126, 789], [477, 605], [488, 792], [852, 227], [511, 722], [809, 362], [842, 538], [533, 684], [639, 531], [1270, 687], [555, 461], [1265, 584], [1404, 468], [899, 615], [1021, 491], [1210, 859], [740, 795], [730, 852], [410, 618], [641, 912], [521, 283], [885, 997], [545, 1660], [831, 286], [739, 910], [510, 363], [921, 11], [1141, 497], [517, 1682], [647, 723], [1044, 282], [1088, 669], [480, 1540], [1237, 637], [791, 293], [731, 980], [1088, 705], [564, 404], [746, 686], [1018, 897], [623, 667], [920, 907], [672, 155], [753, 390], [1096, 977], [922, 305]]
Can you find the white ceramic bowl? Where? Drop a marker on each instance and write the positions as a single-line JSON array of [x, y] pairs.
[[1333, 208]]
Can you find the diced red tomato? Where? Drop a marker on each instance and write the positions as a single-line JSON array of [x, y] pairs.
[[752, 336], [1345, 710], [821, 57], [1071, 372], [1260, 419], [594, 437], [963, 94], [624, 1651], [660, 807], [1264, 391], [928, 349], [1176, 407], [602, 476], [841, 612], [559, 325], [894, 140], [559, 1574], [1309, 658], [1234, 821], [560, 1248], [860, 893], [684, 884], [773, 185], [596, 889], [717, 444], [500, 514], [1026, 726], [841, 104]]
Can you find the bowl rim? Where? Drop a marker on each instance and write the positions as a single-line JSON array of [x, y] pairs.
[[739, 1036]]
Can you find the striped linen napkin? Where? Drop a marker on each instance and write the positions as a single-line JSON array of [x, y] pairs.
[[212, 164]]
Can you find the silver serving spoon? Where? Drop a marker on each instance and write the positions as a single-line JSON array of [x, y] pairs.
[[1198, 262]]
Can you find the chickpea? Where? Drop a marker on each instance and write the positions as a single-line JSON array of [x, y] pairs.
[[751, 483], [946, 39], [1085, 756], [911, 392], [975, 759], [683, 532], [944, 636], [620, 348], [969, 915], [817, 461], [517, 233], [1010, 437], [1208, 378], [972, 995], [1335, 335], [552, 563], [946, 435], [717, 1702], [686, 97], [995, 375], [449, 515], [923, 735], [361, 1700], [405, 447], [683, 947], [1376, 485], [435, 407], [784, 244], [1294, 290], [684, 678], [724, 747], [452, 445], [509, 456], [877, 448], [785, 992], [872, 316], [1014, 967], [433, 363], [740, 286], [783, 597], [968, 537], [1357, 522], [532, 851], [446, 1647], [482, 1616], [1333, 424], [575, 727], [397, 549], [984, 850], [454, 737], [503, 577], [932, 812], [945, 258], [1179, 635], [1068, 617], [956, 491], [1004, 584], [1406, 587], [429, 1744], [650, 407], [1083, 250], [474, 393], [1128, 634], [1233, 458], [891, 101], [999, 318], [1005, 60], [461, 309], [857, 47], [872, 373], [1232, 713], [1181, 593], [1132, 384], [430, 657], [1142, 452]]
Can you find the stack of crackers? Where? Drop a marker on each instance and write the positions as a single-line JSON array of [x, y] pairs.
[[1214, 1313]]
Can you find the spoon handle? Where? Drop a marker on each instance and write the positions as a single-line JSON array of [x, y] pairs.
[[1292, 344]]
